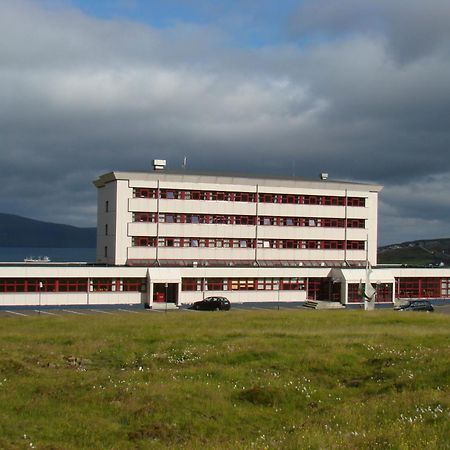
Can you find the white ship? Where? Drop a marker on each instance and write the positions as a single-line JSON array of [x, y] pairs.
[[39, 259]]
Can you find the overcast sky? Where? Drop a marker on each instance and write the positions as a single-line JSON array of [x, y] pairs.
[[356, 88]]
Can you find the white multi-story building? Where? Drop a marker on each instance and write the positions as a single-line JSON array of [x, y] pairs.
[[180, 219]]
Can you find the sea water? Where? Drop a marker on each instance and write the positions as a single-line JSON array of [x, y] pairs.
[[18, 254]]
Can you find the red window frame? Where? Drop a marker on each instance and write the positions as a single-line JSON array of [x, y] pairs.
[[191, 284], [144, 193], [72, 285], [144, 241], [102, 284], [133, 284], [356, 201]]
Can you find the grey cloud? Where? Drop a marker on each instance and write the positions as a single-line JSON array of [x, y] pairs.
[[411, 29], [81, 96]]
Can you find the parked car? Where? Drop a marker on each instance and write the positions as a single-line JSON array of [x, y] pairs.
[[415, 305], [212, 304]]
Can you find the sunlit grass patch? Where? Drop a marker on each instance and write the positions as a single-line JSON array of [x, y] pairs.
[[263, 379]]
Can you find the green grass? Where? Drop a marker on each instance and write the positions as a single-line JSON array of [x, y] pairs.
[[265, 379], [415, 256]]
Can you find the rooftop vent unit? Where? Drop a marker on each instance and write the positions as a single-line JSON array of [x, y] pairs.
[[159, 164], [324, 176]]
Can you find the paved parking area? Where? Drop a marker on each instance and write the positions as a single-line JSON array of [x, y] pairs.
[[73, 311], [138, 309]]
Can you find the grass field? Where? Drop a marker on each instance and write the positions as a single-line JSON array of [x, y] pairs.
[[243, 379]]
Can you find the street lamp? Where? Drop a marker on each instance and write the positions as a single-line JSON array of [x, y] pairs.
[[41, 285]]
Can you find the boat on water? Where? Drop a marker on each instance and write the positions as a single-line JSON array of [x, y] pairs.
[[39, 259]]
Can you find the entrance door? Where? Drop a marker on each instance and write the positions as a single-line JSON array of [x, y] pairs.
[[163, 292]]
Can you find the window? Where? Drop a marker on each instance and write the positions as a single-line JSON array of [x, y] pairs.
[[266, 198], [384, 292], [242, 284], [333, 245], [106, 251], [289, 199], [419, 287], [72, 285], [356, 201], [310, 200], [242, 196], [43, 285], [354, 295], [267, 284], [102, 284], [355, 245], [144, 241], [14, 285], [292, 284], [214, 284], [106, 229], [144, 193], [355, 223], [289, 244], [445, 287], [144, 217], [107, 206], [191, 284], [134, 285]]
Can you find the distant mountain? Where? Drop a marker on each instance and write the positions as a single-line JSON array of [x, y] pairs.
[[16, 231], [417, 253]]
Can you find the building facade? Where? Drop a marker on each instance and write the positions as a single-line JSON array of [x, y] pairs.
[[178, 219], [179, 237]]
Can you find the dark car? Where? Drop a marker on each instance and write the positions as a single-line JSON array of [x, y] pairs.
[[212, 304], [415, 305]]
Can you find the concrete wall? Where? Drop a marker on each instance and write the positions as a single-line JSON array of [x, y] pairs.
[[175, 275]]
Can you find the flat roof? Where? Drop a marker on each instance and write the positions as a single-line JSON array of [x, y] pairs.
[[236, 178]]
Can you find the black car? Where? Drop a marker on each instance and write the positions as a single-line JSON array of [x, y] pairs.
[[212, 304], [415, 305]]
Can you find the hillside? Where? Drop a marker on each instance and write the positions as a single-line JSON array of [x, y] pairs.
[[416, 253], [16, 231]]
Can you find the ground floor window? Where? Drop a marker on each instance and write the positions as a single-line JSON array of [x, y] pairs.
[[421, 287], [72, 284], [383, 292], [132, 285], [319, 289], [243, 284]]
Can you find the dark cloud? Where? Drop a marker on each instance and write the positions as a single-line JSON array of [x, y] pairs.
[[411, 29], [81, 96]]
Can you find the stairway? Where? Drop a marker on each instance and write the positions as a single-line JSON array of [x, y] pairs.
[[163, 306], [322, 304]]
